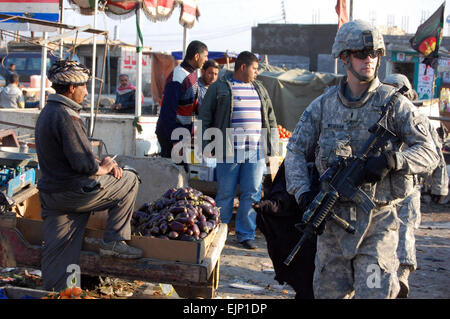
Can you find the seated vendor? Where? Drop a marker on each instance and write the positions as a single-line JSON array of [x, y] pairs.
[[125, 96], [74, 182]]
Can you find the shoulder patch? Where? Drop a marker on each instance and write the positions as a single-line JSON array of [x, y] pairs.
[[422, 129]]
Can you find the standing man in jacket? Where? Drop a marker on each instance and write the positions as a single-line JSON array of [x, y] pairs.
[[335, 125], [180, 99], [240, 107]]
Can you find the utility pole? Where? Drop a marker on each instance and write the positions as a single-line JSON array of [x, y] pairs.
[[283, 10]]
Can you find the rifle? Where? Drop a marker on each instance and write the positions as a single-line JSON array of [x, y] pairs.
[[343, 179]]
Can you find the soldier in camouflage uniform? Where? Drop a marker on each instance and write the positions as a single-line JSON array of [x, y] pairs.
[[409, 209], [336, 124]]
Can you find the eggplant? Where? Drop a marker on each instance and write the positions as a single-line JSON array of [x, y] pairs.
[[177, 226], [169, 193], [209, 200], [173, 235], [206, 209], [185, 237], [163, 228], [155, 230], [210, 225], [178, 209], [189, 232], [183, 220], [203, 226], [201, 218], [196, 230], [169, 217], [181, 215], [203, 235], [144, 207], [162, 237]]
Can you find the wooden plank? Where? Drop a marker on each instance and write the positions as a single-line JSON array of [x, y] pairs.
[[215, 249]]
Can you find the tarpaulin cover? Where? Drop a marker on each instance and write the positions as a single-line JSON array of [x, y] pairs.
[[293, 90]]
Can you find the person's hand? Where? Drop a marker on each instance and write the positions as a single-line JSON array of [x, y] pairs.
[[117, 172], [266, 206], [377, 167], [118, 106], [106, 166]]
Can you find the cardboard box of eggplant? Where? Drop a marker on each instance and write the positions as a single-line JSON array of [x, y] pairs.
[[179, 226]]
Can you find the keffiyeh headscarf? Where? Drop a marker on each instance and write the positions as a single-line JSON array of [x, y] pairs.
[[68, 72]]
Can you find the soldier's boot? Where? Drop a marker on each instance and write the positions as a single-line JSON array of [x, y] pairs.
[[403, 275]]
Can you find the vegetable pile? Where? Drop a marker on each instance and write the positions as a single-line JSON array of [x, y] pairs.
[[180, 214], [69, 293], [283, 133]]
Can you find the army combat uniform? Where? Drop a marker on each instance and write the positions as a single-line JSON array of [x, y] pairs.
[[409, 209], [332, 126]]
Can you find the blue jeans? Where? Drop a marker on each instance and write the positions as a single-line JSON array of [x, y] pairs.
[[249, 177]]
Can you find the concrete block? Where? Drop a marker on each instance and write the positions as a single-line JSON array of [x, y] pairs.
[[157, 175]]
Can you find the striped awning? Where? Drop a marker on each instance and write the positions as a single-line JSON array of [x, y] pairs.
[[155, 10]]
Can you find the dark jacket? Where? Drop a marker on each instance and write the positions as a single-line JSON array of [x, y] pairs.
[[64, 152], [217, 109], [127, 100], [277, 214]]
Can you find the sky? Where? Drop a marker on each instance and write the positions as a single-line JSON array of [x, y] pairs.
[[226, 24]]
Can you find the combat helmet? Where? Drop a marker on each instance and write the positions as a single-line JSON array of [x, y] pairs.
[[399, 80], [354, 36]]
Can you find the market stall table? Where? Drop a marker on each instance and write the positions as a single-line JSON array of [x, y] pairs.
[[20, 245]]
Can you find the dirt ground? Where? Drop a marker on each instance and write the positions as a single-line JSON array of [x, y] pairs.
[[250, 269], [248, 274]]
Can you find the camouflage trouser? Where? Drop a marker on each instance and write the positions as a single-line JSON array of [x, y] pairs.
[[365, 263], [409, 214]]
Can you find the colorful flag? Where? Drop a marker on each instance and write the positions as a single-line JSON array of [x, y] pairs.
[[428, 36], [341, 10]]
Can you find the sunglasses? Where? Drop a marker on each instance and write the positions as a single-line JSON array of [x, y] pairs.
[[363, 54]]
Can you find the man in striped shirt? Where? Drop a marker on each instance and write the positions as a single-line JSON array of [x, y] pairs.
[[239, 104]]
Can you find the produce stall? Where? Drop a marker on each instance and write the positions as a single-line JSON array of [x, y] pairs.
[[191, 275]]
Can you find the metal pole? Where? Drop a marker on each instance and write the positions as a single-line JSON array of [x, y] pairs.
[[185, 40], [61, 20], [138, 95], [351, 11], [43, 72], [94, 59]]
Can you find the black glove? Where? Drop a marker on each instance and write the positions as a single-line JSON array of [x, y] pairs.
[[305, 199], [377, 167], [266, 206]]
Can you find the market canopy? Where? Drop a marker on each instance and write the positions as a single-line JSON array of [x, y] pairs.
[[154, 10], [219, 56]]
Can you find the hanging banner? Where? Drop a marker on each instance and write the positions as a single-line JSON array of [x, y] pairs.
[[47, 10], [189, 13]]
